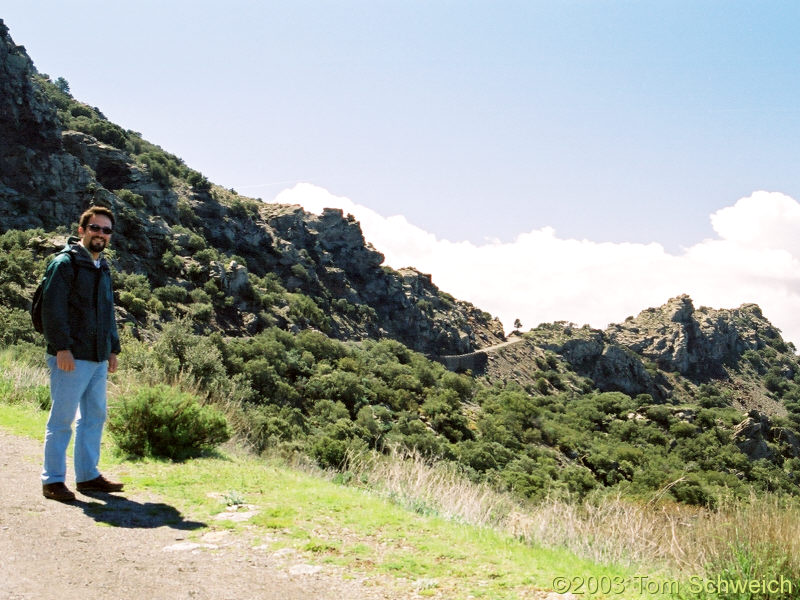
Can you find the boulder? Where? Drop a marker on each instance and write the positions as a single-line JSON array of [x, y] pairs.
[[751, 435]]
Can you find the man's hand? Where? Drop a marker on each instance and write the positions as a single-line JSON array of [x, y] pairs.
[[65, 361], [112, 363]]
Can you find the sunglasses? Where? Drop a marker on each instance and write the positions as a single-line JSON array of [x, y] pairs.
[[95, 227]]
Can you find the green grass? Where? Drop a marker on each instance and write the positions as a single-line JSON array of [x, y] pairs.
[[343, 526], [356, 530], [23, 419]]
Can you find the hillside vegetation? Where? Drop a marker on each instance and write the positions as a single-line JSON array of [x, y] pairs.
[[289, 324], [291, 317]]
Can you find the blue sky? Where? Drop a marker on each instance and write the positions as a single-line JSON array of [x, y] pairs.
[[629, 123]]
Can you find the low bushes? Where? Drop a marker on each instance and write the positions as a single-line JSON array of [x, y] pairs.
[[162, 421]]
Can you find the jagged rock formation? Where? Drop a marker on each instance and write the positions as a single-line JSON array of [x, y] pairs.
[[40, 182], [758, 437], [328, 254], [695, 343], [669, 345], [590, 352], [48, 176]]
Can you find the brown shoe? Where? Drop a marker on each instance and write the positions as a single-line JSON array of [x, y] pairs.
[[57, 491], [99, 484]]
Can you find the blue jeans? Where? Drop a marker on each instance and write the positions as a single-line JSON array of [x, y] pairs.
[[82, 392]]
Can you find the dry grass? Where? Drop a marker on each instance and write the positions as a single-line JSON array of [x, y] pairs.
[[410, 480], [21, 382], [23, 375], [754, 538]]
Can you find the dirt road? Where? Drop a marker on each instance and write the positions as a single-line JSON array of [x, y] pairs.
[[133, 547]]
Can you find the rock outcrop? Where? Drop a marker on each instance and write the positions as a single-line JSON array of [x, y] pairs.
[[40, 183], [326, 256], [637, 356], [695, 343], [759, 438], [590, 353]]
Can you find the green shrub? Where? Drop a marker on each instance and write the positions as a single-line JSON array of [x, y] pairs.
[[135, 200], [164, 422], [683, 429], [158, 171], [181, 353], [329, 453], [300, 272], [135, 305], [40, 395], [173, 264], [198, 181], [660, 414], [201, 313], [81, 110], [185, 241], [7, 390], [200, 296], [186, 212], [135, 283], [243, 210], [542, 386], [691, 490], [15, 326], [206, 255], [304, 310], [171, 294]]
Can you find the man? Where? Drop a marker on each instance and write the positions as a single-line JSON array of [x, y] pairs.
[[82, 346]]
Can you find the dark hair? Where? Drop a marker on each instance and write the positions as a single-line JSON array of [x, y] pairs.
[[96, 210]]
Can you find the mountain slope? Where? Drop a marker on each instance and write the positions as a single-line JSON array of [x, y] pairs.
[[179, 231]]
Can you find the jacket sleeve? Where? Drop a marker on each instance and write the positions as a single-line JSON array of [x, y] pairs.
[[55, 303]]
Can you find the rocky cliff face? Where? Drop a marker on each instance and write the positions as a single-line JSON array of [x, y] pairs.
[[326, 256], [50, 174], [663, 350], [40, 183], [695, 343]]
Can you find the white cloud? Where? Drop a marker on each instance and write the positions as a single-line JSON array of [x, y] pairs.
[[762, 220], [539, 277]]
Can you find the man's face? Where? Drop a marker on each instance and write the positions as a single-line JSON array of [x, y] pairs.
[[92, 236]]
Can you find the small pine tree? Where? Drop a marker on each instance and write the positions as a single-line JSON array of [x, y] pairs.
[[63, 86]]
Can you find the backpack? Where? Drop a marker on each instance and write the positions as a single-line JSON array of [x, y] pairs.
[[36, 304]]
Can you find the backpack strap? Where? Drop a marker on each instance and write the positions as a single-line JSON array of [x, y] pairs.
[[72, 261]]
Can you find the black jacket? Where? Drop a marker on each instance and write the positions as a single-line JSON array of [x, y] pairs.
[[78, 306]]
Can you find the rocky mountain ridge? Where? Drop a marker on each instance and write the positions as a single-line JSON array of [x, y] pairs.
[[33, 163], [49, 174], [668, 352]]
